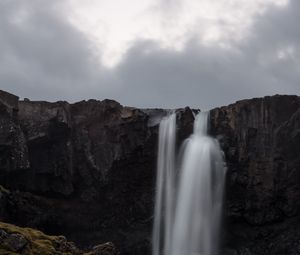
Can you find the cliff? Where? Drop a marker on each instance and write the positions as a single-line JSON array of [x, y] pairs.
[[261, 141], [87, 170]]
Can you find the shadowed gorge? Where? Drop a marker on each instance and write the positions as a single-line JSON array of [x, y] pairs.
[[87, 171]]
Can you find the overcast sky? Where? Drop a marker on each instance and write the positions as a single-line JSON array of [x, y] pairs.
[[150, 53]]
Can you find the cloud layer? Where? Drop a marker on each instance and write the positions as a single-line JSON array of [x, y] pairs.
[[44, 56]]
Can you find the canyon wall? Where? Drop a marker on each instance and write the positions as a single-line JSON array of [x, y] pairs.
[[87, 170]]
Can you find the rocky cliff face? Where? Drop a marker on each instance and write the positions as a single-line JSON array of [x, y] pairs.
[[261, 141], [87, 170]]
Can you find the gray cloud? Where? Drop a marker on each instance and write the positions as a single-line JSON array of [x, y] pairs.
[[44, 57], [205, 77]]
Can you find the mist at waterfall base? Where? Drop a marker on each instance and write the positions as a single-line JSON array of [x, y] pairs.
[[189, 191]]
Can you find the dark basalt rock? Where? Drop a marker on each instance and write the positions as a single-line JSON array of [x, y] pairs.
[[13, 149], [87, 170], [90, 171], [260, 138]]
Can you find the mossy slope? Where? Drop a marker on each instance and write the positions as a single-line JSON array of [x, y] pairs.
[[27, 241]]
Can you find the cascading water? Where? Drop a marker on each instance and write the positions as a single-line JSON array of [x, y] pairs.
[[199, 199], [164, 206], [190, 217]]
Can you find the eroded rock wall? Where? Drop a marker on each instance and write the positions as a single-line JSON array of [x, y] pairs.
[[87, 170], [260, 138]]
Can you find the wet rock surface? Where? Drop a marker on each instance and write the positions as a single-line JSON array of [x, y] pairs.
[[87, 171]]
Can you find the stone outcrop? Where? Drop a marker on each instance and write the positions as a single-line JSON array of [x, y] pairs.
[[10, 101], [13, 149], [87, 170]]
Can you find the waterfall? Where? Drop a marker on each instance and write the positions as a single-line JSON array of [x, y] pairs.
[[193, 226], [164, 206]]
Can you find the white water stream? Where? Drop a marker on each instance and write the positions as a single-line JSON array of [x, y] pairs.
[[189, 203]]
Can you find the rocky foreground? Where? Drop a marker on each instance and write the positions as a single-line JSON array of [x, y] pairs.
[[87, 171], [27, 241]]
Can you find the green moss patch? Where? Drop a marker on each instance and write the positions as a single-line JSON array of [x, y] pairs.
[[36, 242], [27, 241]]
